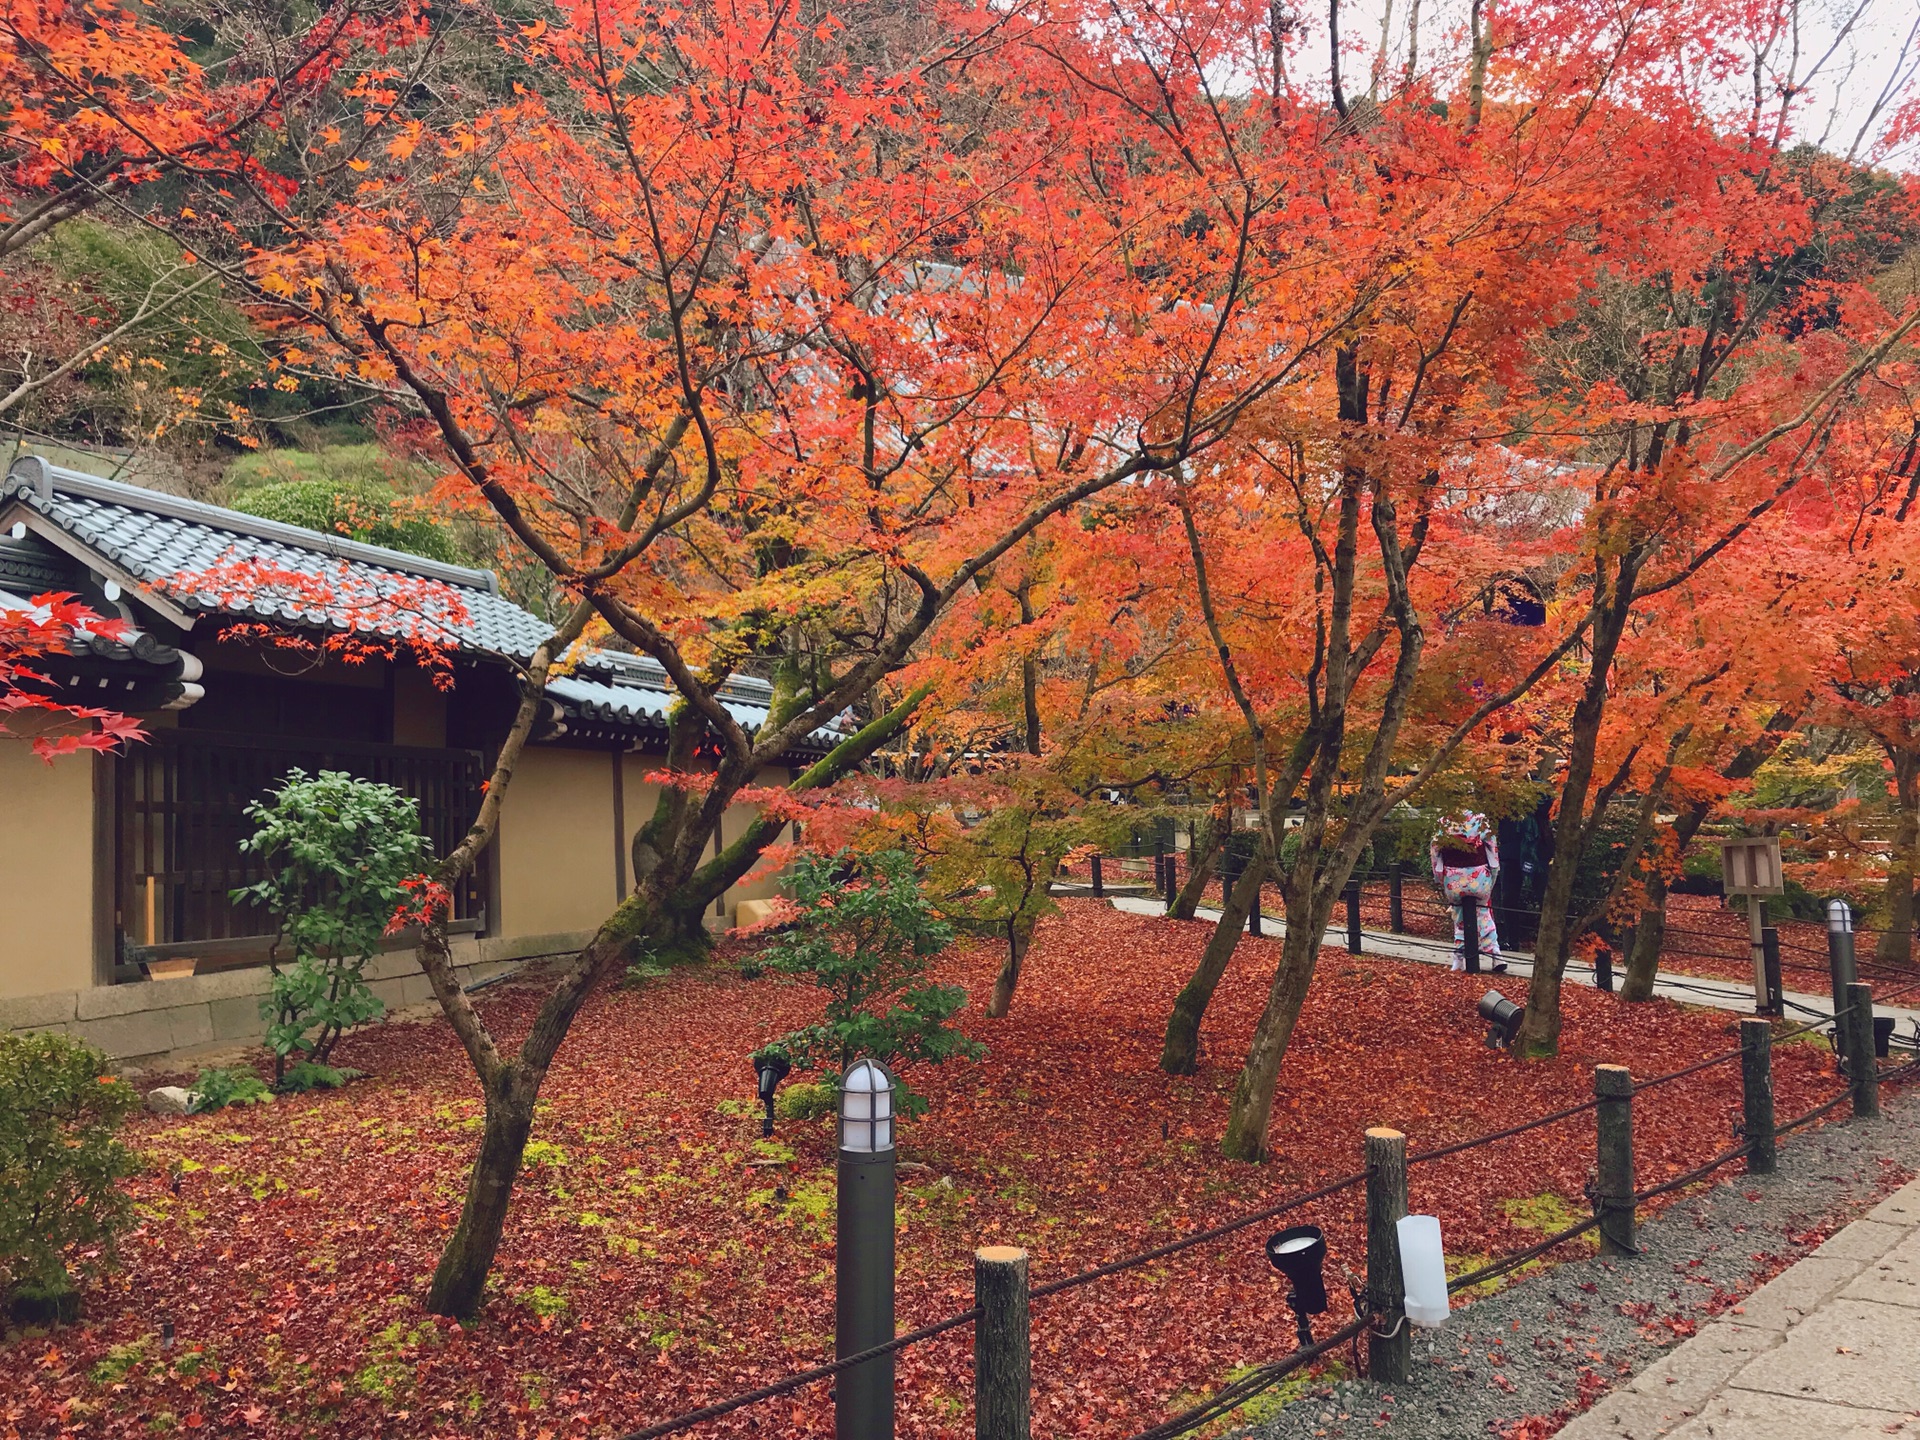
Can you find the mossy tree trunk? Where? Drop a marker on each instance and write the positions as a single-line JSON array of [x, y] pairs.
[[1180, 1053]]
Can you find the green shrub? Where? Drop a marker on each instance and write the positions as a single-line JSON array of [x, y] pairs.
[[804, 1102], [217, 1089], [61, 1163], [338, 851], [866, 935], [364, 510]]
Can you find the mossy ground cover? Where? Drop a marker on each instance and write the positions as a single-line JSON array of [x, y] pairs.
[[659, 1255]]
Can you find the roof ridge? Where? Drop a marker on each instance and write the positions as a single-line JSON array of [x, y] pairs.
[[53, 479]]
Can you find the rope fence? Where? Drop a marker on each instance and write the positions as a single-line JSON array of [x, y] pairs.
[[1615, 1197]]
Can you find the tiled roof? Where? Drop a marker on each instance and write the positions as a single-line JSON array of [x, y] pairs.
[[155, 538]]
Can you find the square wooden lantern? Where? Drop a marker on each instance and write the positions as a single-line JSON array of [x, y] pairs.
[[1751, 866]]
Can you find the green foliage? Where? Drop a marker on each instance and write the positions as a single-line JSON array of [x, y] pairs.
[[305, 1075], [217, 1089], [61, 1163], [804, 1102], [337, 851], [546, 1303], [364, 510], [190, 363], [866, 935]]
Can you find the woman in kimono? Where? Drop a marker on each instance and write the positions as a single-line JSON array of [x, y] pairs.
[[1466, 860]]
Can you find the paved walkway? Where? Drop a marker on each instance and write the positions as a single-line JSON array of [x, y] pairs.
[[1687, 989], [1829, 1350]]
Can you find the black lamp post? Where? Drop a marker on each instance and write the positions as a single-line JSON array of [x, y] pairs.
[[769, 1069], [863, 1245], [1299, 1252], [1502, 1017]]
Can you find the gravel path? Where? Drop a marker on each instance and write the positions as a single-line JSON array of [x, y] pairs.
[[1521, 1362]]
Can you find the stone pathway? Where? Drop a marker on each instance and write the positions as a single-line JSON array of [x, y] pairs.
[[1828, 1350], [1687, 989]]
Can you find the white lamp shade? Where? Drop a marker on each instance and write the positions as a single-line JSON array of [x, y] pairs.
[[1423, 1265], [866, 1108]]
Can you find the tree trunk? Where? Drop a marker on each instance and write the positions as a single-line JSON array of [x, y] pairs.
[[1180, 1055], [1650, 930], [1019, 937], [1895, 946], [1201, 861], [1252, 1110], [1539, 1033], [461, 1279], [1649, 935]]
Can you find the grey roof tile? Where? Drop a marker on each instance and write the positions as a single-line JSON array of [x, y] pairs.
[[158, 538]]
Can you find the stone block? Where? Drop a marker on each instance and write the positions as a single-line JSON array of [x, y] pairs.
[[189, 1025], [391, 965], [169, 1100], [237, 1018], [1795, 1293], [1686, 1376], [1893, 1279], [1862, 1240], [128, 1037], [415, 989], [104, 1002], [1744, 1415], [39, 1012], [1851, 1353], [1900, 1208], [1626, 1414], [391, 992]]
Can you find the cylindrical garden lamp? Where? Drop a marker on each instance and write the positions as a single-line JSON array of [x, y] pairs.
[[1840, 954], [863, 1238]]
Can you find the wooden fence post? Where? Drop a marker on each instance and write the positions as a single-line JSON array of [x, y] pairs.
[[1863, 1071], [1470, 932], [1396, 914], [1389, 1355], [1756, 1088], [1099, 890], [1613, 1195], [1603, 969], [1353, 917], [1002, 1349]]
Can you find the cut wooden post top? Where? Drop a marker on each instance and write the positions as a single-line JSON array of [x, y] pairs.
[[1382, 1132], [1000, 1254], [1612, 1080]]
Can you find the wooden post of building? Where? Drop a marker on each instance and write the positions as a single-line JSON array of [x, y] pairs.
[[1396, 918], [1613, 1194], [1863, 1071], [1756, 1088], [1389, 1347], [1002, 1351], [1470, 932]]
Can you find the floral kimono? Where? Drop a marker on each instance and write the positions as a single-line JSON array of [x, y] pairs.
[[1466, 858]]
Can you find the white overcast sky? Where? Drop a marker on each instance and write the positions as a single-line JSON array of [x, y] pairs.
[[1856, 59]]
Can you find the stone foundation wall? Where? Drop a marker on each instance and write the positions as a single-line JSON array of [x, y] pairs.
[[141, 1022]]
